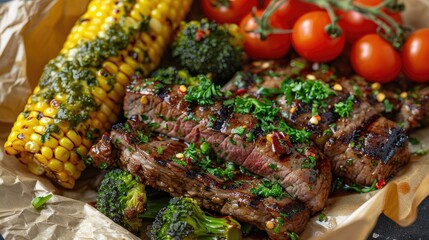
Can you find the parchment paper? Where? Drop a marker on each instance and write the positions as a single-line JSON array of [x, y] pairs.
[[31, 33]]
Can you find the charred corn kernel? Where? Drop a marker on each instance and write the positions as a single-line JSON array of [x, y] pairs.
[[74, 137], [69, 168], [74, 158], [269, 138], [310, 77], [381, 97], [49, 133], [182, 88], [338, 87], [32, 147], [180, 155], [375, 86], [269, 224], [41, 159], [61, 153], [35, 168], [47, 152], [403, 95], [55, 165]]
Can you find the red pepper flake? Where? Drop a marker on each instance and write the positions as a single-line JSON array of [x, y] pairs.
[[281, 143], [188, 160], [240, 91], [200, 35], [380, 184]]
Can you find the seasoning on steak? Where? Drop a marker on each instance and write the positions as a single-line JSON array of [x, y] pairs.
[[362, 145], [236, 137], [126, 147]]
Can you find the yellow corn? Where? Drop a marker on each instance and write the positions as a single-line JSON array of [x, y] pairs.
[[53, 145]]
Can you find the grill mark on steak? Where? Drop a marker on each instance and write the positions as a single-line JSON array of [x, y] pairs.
[[256, 156], [385, 145], [212, 193]]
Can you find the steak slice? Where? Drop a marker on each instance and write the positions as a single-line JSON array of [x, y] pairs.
[[121, 148], [363, 146], [301, 169]]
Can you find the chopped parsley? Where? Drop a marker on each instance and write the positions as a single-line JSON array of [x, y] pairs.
[[238, 131], [343, 109], [309, 162], [269, 189], [292, 236], [262, 109], [388, 107], [160, 150], [280, 223], [205, 93], [322, 217], [142, 138], [273, 166], [414, 141], [361, 189]]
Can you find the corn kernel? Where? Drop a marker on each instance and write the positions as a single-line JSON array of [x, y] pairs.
[[269, 224], [51, 143], [292, 109], [62, 176], [338, 87], [47, 152], [310, 77], [180, 155], [81, 166], [55, 165], [66, 143], [74, 137], [110, 67], [46, 121], [143, 100], [76, 175], [269, 138], [35, 168], [314, 120], [36, 138], [404, 95], [41, 159], [375, 86], [50, 112], [182, 88], [61, 153], [381, 97], [74, 158], [126, 69], [32, 147], [69, 168]]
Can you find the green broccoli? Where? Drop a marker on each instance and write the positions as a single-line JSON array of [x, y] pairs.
[[171, 75], [206, 47], [183, 219], [121, 197]]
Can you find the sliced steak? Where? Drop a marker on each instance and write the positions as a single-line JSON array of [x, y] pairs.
[[230, 197], [363, 146], [168, 113]]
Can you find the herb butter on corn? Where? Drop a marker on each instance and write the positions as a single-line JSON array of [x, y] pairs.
[[80, 92]]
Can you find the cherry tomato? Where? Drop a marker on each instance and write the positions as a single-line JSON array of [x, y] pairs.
[[375, 59], [291, 10], [415, 56], [312, 42], [274, 46], [355, 25], [227, 11]]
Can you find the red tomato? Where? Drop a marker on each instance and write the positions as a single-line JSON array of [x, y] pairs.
[[355, 25], [227, 11], [375, 59], [415, 56], [312, 42], [291, 10], [275, 46]]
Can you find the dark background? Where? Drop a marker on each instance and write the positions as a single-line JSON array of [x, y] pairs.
[[386, 229]]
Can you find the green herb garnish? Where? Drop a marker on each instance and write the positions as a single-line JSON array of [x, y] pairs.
[[269, 189], [205, 93], [38, 202], [343, 109]]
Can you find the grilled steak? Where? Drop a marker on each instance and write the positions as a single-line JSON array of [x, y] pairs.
[[124, 148], [363, 146], [300, 167]]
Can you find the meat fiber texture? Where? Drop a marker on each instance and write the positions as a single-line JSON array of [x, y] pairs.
[[32, 32]]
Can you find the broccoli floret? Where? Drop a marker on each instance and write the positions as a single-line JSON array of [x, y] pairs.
[[209, 48], [121, 197], [171, 75], [183, 219]]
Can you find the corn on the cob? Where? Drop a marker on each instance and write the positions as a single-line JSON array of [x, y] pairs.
[[80, 93]]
